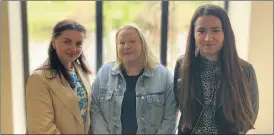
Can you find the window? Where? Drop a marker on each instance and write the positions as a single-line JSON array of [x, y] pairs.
[[146, 14], [42, 16]]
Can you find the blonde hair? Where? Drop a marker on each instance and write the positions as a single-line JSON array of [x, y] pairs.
[[148, 58]]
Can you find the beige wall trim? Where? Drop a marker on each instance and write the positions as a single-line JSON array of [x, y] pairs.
[[261, 57], [6, 102]]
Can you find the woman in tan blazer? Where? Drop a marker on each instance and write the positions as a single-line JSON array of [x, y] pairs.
[[58, 92]]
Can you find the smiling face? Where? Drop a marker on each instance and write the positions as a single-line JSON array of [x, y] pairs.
[[68, 45], [129, 45], [209, 36]]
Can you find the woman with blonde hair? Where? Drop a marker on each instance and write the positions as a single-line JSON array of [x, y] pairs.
[[134, 94]]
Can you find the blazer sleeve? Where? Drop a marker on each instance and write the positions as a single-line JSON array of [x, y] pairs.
[[39, 109]]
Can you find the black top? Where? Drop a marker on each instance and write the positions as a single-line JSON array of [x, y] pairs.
[[128, 113], [210, 72]]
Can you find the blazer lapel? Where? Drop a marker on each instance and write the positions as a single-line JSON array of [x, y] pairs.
[[84, 77], [66, 95]]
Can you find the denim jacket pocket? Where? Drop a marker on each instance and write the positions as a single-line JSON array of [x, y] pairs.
[[156, 99], [105, 100], [105, 95], [155, 109]]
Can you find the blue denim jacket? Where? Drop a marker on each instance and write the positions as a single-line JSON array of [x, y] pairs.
[[155, 103]]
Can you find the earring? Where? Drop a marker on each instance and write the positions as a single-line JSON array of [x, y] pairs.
[[197, 52]]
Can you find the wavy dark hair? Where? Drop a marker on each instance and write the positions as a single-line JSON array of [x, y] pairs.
[[237, 105], [54, 62]]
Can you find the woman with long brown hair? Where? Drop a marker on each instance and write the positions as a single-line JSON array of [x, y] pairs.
[[216, 91], [58, 92]]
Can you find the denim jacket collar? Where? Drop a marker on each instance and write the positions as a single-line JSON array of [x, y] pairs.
[[147, 72]]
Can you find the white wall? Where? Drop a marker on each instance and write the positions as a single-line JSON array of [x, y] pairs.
[[239, 15], [17, 71]]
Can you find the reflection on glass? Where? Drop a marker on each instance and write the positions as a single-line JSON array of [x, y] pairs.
[[146, 14], [42, 16], [180, 13]]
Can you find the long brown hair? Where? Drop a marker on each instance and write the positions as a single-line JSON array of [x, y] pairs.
[[54, 62], [237, 105]]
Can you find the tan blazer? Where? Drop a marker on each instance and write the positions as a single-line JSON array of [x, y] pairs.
[[51, 107]]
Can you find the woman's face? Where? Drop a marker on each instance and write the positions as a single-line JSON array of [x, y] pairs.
[[209, 35], [68, 45], [129, 45]]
